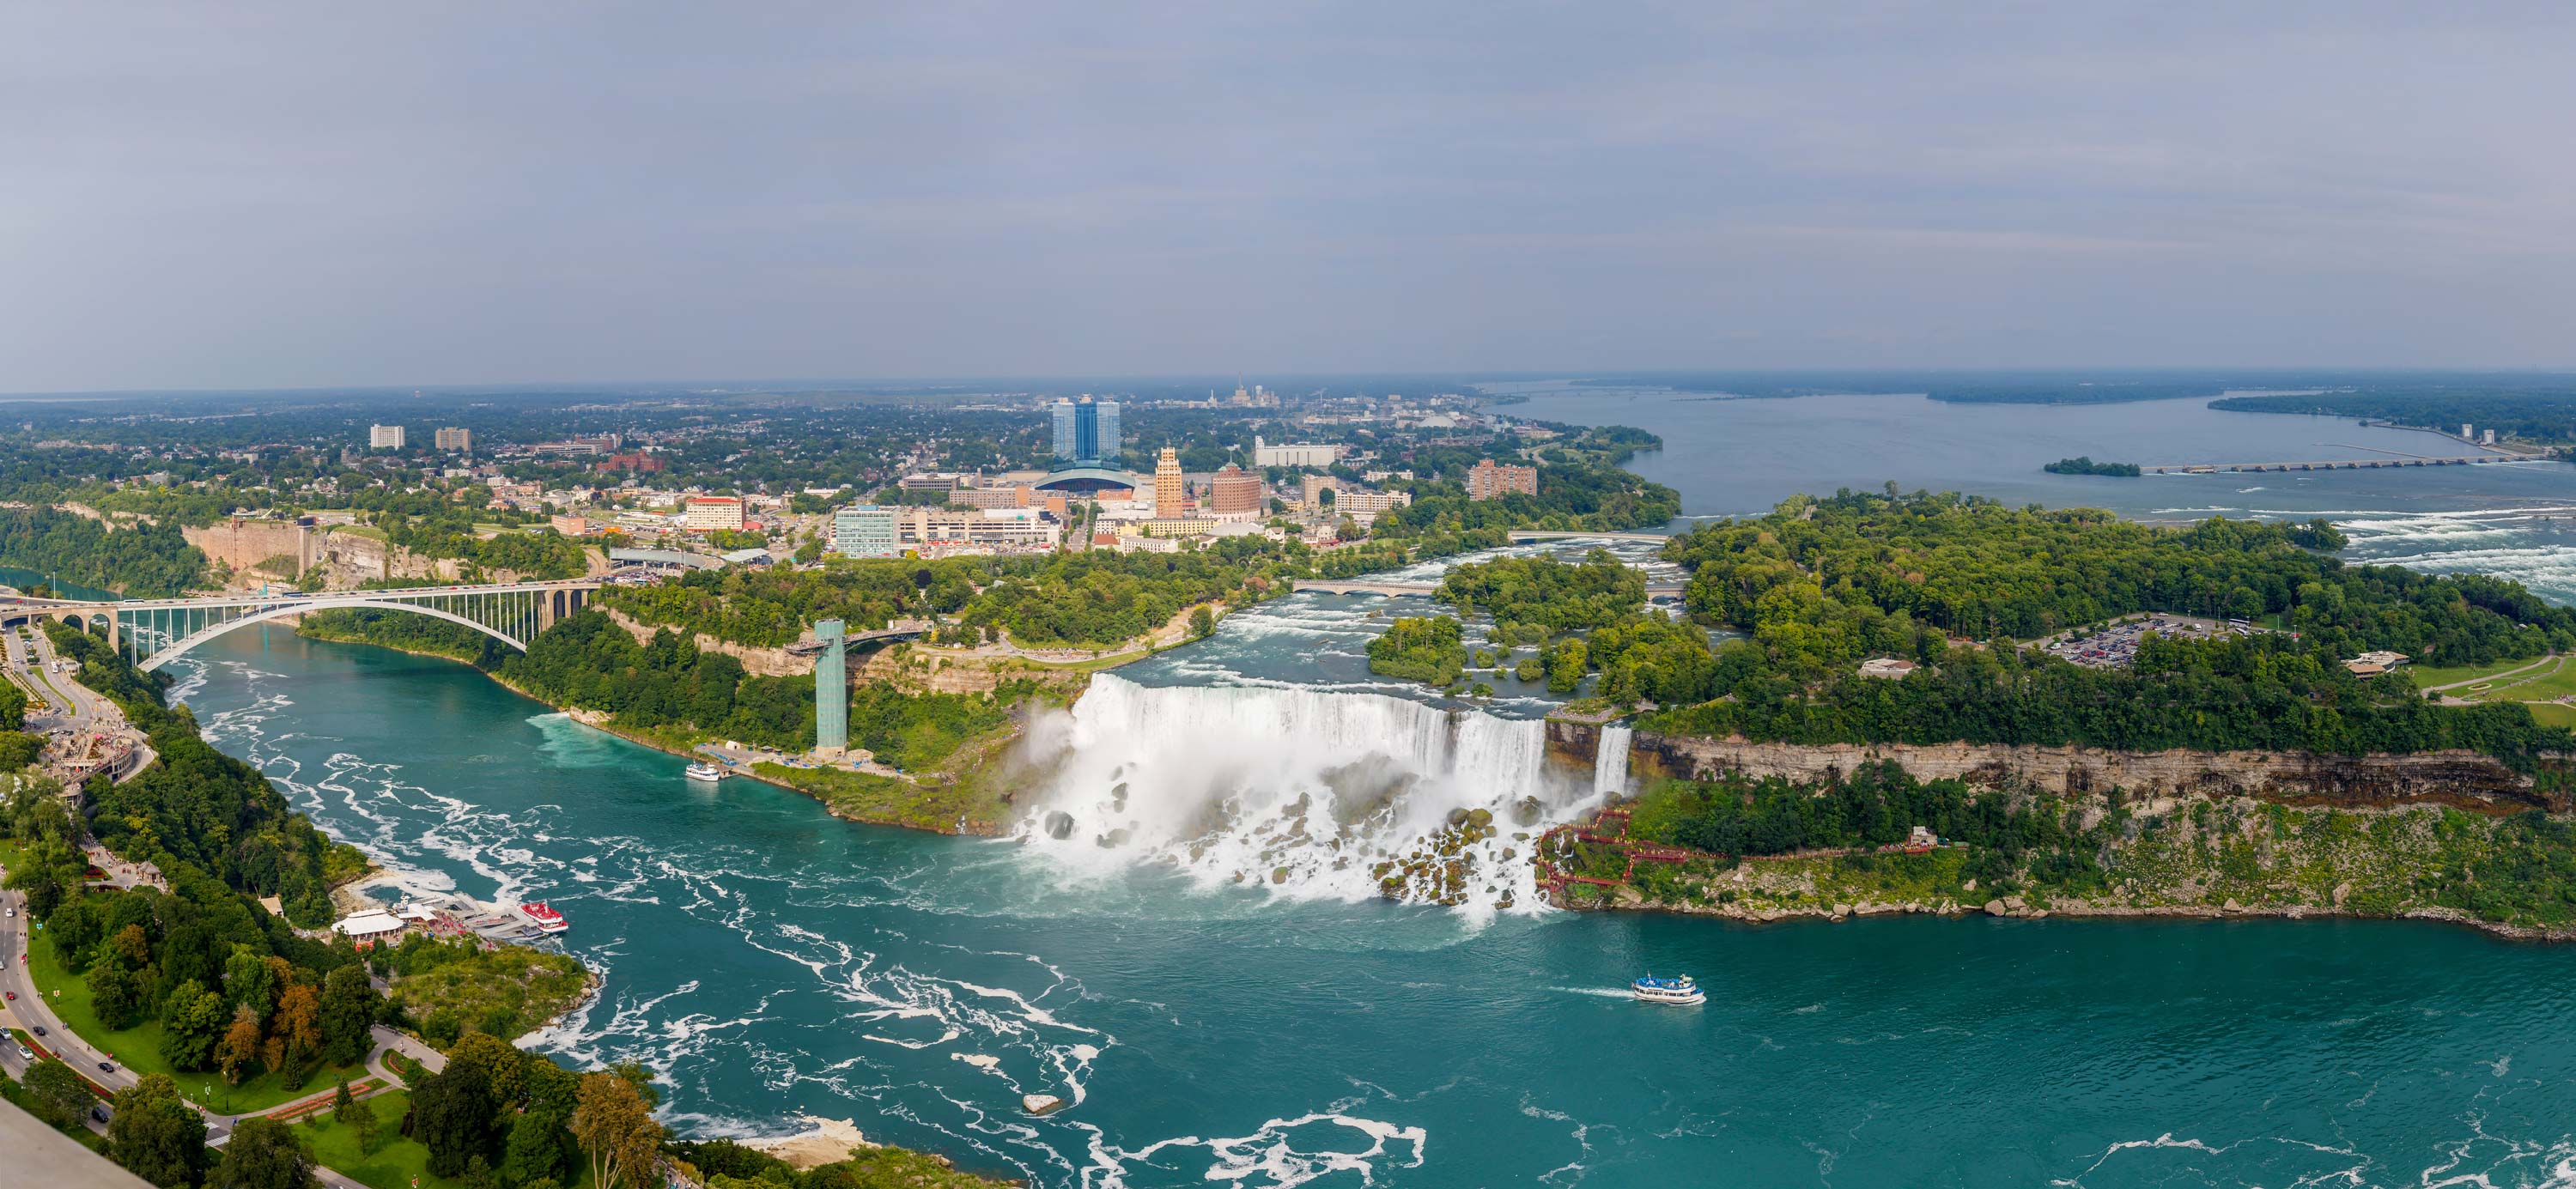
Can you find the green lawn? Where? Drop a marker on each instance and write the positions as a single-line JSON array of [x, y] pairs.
[[395, 1162], [2432, 675], [138, 1049], [2549, 715]]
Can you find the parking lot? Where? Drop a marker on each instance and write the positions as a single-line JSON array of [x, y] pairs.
[[2117, 645]]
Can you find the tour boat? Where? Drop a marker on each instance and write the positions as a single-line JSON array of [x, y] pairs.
[[1680, 992], [545, 919], [703, 770]]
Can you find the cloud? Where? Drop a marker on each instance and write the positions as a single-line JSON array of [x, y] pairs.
[[326, 194]]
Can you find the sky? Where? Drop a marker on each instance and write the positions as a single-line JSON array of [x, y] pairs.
[[292, 195]]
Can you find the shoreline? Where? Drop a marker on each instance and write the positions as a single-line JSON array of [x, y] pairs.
[[1628, 902], [596, 721]]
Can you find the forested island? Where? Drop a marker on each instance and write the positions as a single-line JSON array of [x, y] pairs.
[[2084, 465]]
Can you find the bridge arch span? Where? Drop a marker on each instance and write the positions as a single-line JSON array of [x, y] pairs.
[[281, 611]]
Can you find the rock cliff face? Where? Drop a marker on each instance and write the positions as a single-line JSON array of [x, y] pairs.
[[761, 662], [2460, 778], [244, 544]]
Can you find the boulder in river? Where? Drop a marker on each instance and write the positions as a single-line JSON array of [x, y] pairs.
[[1059, 825], [1041, 1104]]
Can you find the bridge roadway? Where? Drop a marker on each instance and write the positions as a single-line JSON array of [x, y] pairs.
[[155, 631], [1526, 536], [209, 602], [1654, 590], [2339, 464]]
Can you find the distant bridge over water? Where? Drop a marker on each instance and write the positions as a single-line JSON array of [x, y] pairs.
[[1528, 535], [2338, 464], [153, 632]]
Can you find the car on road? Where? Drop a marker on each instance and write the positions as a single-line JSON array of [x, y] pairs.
[[40, 1030], [24, 1054], [13, 996], [107, 1067], [99, 1113]]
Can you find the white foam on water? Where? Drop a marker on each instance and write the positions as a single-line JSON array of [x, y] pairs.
[[1271, 1154], [1304, 793]]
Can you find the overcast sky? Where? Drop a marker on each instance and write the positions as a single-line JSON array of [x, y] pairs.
[[254, 195]]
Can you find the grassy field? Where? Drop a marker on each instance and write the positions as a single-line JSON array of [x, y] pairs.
[[2431, 675], [2549, 715], [867, 797], [138, 1049], [397, 1163]]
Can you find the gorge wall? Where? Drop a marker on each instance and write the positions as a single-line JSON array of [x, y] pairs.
[[2460, 778]]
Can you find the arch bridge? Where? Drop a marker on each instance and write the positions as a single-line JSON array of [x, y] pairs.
[[153, 632]]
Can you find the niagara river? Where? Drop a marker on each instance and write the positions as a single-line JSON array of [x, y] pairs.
[[773, 961], [1249, 1011]]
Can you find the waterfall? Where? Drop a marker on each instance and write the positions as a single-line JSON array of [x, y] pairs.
[[1610, 768], [1305, 793]]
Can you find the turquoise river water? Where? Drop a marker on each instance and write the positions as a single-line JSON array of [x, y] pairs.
[[1242, 1012]]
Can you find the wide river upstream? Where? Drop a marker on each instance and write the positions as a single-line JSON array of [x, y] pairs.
[[1287, 1029]]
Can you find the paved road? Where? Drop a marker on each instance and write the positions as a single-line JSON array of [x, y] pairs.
[[29, 1012]]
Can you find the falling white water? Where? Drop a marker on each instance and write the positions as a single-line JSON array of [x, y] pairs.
[[1610, 768], [1308, 793]]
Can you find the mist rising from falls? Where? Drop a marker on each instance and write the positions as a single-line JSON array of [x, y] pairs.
[[1307, 793]]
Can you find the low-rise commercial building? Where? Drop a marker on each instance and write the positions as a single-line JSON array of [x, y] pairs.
[[707, 513], [1307, 454]]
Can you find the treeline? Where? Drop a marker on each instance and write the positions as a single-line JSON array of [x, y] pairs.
[[197, 813], [1098, 598], [145, 561], [770, 608], [1949, 583], [2255, 693], [1826, 581], [729, 1164], [1427, 649], [1878, 804], [445, 527], [2083, 464], [1574, 494], [2545, 413], [1532, 598], [498, 1116], [586, 660]]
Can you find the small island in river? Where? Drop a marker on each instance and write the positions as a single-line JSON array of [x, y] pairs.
[[2084, 465]]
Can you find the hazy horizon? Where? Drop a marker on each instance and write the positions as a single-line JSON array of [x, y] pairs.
[[308, 196]]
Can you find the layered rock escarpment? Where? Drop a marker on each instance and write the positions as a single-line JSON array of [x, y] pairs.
[[2464, 779]]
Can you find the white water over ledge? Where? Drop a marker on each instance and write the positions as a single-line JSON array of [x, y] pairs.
[[1310, 794]]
